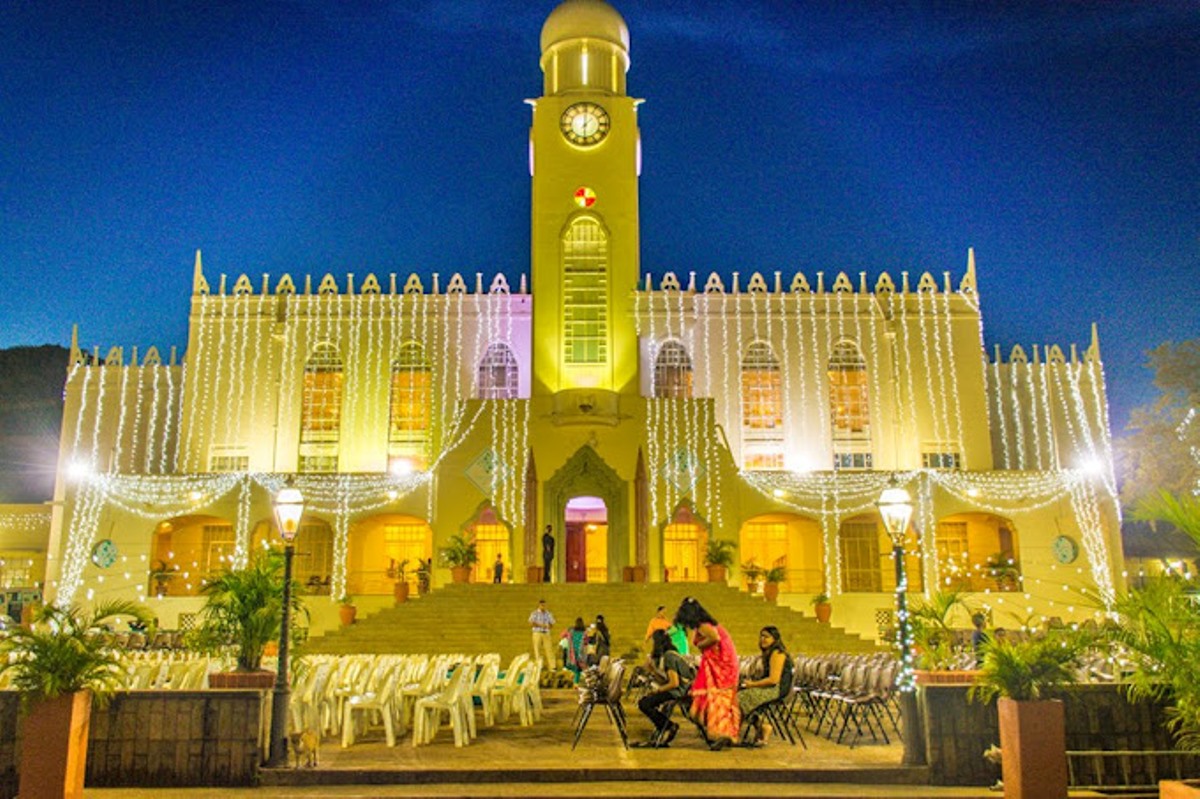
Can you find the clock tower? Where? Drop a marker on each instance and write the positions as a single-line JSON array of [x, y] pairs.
[[584, 159]]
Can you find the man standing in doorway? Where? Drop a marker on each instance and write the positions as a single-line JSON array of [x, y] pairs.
[[542, 622], [547, 553]]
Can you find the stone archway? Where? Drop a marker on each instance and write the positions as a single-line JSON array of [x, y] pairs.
[[586, 474]]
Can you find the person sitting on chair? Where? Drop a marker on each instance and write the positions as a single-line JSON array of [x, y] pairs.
[[776, 670], [672, 675]]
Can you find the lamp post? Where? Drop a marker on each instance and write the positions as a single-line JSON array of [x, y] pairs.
[[289, 508], [895, 506]]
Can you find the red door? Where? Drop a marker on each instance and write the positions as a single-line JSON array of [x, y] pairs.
[[576, 554]]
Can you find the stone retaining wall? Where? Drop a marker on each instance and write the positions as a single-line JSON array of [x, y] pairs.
[[158, 739], [1098, 717]]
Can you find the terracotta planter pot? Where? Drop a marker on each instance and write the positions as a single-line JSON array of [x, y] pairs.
[[771, 592], [639, 574], [54, 747], [255, 680], [400, 592], [717, 574], [347, 614], [963, 677], [1174, 789], [824, 611], [533, 574], [1033, 739], [460, 574]]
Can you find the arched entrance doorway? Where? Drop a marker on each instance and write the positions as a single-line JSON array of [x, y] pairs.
[[491, 536], [585, 527], [684, 540], [585, 474], [978, 552]]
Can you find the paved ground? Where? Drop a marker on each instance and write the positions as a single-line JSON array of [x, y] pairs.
[[509, 760]]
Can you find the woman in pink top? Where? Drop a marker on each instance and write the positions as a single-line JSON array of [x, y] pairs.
[[714, 693]]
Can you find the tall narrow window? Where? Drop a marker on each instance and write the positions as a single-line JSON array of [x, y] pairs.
[[321, 411], [408, 417], [859, 542], [762, 409], [673, 372], [848, 408], [497, 378], [585, 293]]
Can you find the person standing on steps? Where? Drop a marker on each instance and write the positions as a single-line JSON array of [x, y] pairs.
[[542, 621], [498, 569], [547, 552]]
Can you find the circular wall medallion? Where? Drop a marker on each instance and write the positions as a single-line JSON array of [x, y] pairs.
[[104, 554], [585, 197], [1065, 549]]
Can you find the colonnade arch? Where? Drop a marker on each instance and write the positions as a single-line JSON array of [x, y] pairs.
[[183, 549], [378, 544], [865, 553], [312, 563], [492, 536], [684, 539], [978, 552], [786, 540]]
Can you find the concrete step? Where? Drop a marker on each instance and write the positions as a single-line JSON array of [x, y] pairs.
[[494, 618]]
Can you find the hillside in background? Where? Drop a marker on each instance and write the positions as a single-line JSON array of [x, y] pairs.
[[31, 403]]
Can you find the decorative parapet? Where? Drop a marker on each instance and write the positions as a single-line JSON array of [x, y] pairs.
[[328, 285], [799, 283]]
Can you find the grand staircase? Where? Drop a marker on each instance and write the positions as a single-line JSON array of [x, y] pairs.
[[473, 618]]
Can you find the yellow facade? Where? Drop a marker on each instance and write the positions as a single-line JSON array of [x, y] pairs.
[[765, 409]]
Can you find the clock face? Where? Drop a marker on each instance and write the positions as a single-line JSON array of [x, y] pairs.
[[584, 124], [104, 554], [1065, 549]]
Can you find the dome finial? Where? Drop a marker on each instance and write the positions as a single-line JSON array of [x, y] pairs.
[[585, 19]]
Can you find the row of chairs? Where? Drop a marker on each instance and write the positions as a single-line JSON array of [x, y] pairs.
[[848, 695], [347, 696]]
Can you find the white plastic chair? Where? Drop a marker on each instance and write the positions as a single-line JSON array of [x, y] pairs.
[[428, 710], [380, 702]]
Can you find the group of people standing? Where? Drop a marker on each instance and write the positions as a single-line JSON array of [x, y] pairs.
[[582, 645]]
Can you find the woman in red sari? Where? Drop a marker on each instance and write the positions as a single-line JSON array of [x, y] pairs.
[[714, 693]]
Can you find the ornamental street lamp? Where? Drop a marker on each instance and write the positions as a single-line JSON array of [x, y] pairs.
[[895, 506], [289, 508]]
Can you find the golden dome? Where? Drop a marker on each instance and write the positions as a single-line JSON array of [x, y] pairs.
[[585, 19]]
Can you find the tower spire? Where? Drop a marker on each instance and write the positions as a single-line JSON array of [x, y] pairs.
[[199, 284]]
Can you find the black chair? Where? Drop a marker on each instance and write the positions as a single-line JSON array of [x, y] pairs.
[[605, 692], [778, 712]]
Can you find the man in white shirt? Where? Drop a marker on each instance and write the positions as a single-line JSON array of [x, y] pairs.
[[542, 622]]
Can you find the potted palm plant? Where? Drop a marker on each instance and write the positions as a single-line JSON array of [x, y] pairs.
[[753, 574], [772, 577], [60, 663], [932, 636], [718, 557], [243, 611], [424, 575], [398, 571], [822, 607], [460, 556], [1025, 677]]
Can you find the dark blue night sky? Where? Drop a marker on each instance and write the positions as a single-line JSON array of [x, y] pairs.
[[1060, 139]]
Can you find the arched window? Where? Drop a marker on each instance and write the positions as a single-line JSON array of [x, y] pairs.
[[497, 378], [585, 293], [321, 411], [762, 409], [849, 410], [408, 415], [673, 372]]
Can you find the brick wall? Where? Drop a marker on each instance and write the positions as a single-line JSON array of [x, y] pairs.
[[158, 739], [1098, 717]]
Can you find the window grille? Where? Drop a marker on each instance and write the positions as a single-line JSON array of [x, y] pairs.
[[497, 377], [860, 557], [762, 409], [585, 293], [672, 372], [410, 401], [849, 407]]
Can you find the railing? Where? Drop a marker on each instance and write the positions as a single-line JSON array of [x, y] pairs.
[[1094, 768]]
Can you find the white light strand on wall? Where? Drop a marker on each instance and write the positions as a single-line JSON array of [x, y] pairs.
[[241, 542], [952, 377], [906, 350], [1087, 512], [22, 523], [1001, 413]]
